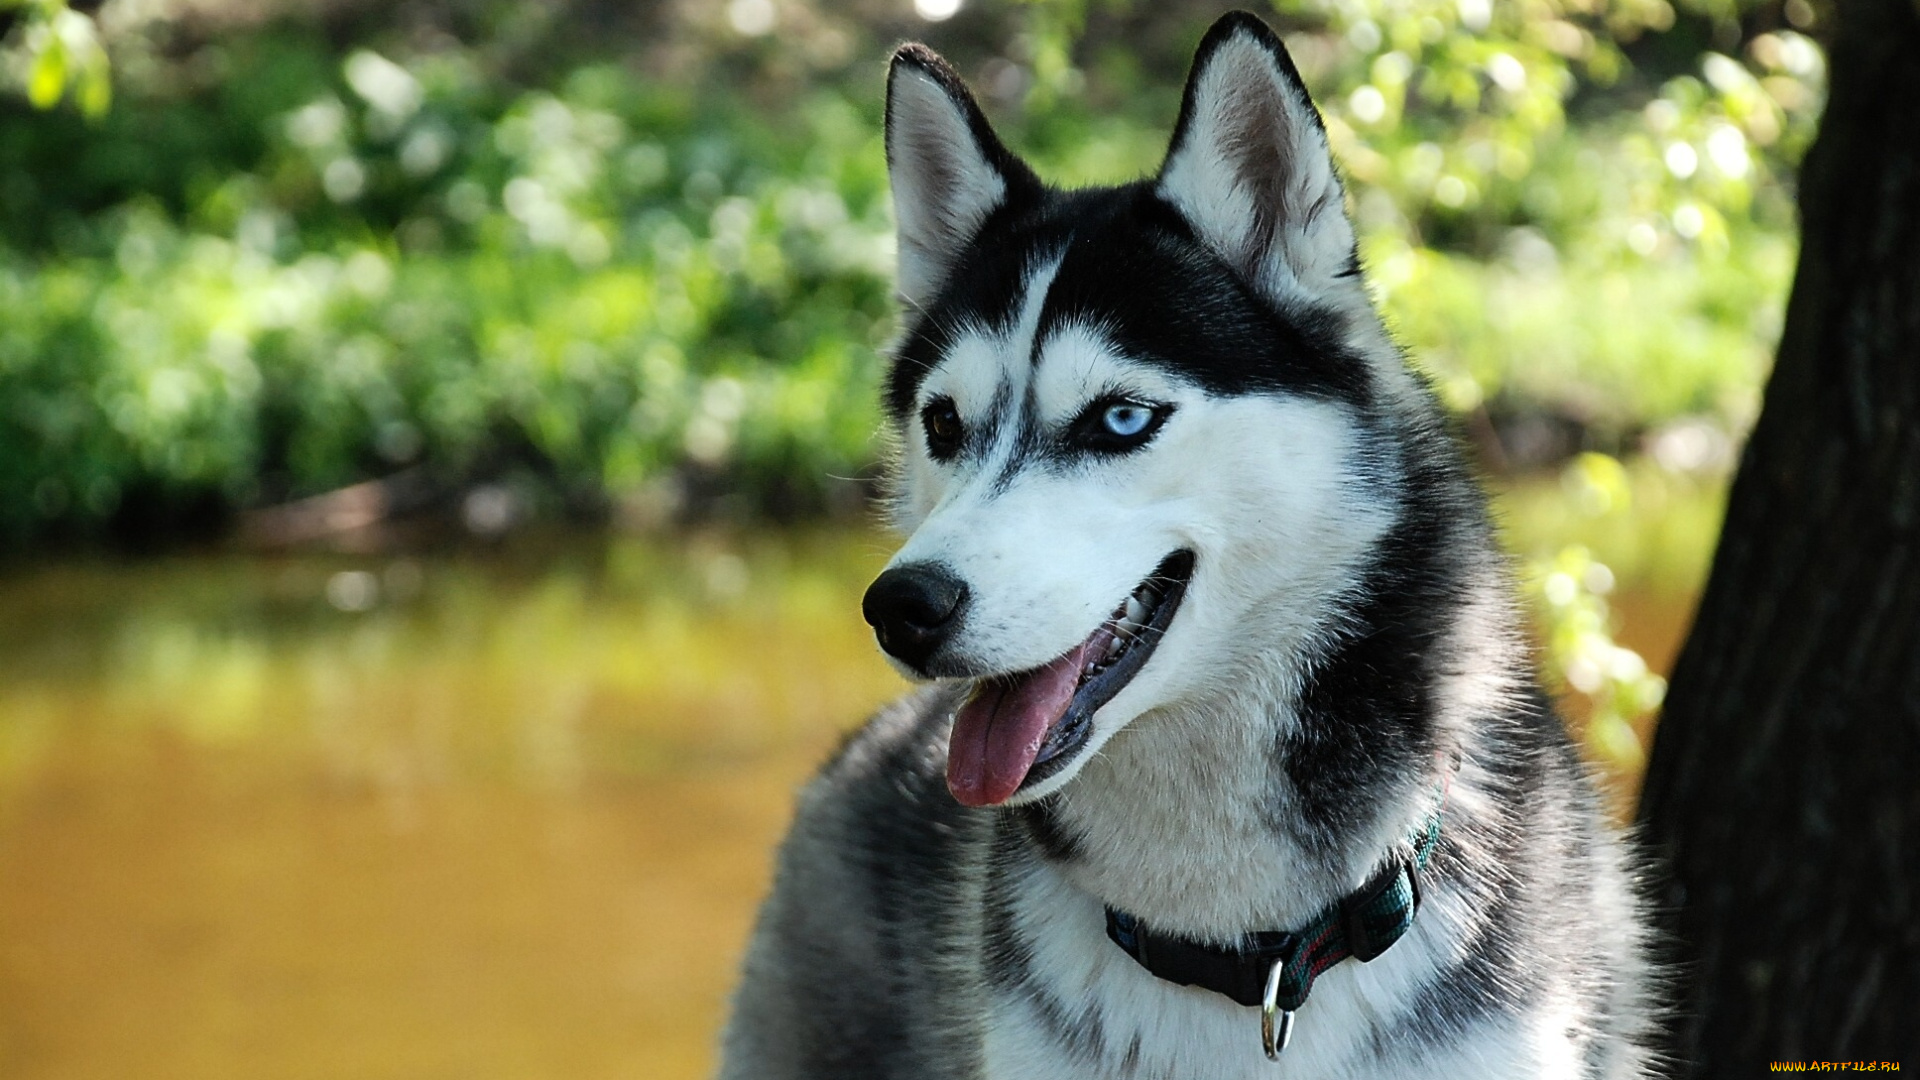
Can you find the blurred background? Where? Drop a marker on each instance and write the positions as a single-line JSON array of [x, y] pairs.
[[438, 443]]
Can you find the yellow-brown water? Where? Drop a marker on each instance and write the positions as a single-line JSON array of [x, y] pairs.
[[500, 816], [509, 820]]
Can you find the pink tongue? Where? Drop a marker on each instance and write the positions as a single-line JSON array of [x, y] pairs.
[[998, 732]]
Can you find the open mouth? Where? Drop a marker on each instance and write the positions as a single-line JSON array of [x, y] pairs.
[[1016, 730]]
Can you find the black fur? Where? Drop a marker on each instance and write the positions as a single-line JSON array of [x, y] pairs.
[[1049, 835], [1132, 266], [1366, 710]]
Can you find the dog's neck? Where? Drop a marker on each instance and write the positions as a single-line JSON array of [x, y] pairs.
[[1196, 820], [1183, 820]]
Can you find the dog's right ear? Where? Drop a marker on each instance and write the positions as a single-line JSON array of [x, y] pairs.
[[948, 169], [1249, 166]]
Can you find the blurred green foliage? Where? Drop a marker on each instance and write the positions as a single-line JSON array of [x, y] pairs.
[[1569, 582], [296, 253], [612, 274], [57, 50]]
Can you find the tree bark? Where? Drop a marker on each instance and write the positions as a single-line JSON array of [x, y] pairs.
[[1783, 792]]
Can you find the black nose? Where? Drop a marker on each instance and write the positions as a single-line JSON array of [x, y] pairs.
[[913, 609]]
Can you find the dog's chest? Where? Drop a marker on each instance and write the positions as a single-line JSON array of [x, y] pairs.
[[1063, 1003]]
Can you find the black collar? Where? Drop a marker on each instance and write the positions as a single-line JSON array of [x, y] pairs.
[[1362, 925]]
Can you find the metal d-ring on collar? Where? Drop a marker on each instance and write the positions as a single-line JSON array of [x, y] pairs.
[[1274, 1038]]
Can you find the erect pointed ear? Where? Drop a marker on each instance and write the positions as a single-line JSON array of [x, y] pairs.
[[1249, 166], [949, 170]]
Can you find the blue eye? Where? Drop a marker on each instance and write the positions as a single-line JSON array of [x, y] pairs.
[[1126, 419], [1116, 425]]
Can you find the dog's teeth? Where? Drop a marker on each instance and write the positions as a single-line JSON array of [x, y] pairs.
[[1114, 646], [1136, 611]]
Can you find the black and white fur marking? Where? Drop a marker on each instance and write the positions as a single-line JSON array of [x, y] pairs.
[[1346, 639]]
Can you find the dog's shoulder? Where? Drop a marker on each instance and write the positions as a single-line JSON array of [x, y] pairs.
[[880, 804], [905, 738], [865, 936], [884, 790]]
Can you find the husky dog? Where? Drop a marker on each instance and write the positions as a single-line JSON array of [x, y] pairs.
[[1232, 764]]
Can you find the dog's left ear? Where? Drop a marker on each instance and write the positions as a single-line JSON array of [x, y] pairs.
[[1249, 166]]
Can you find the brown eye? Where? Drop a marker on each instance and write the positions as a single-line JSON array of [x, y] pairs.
[[944, 429]]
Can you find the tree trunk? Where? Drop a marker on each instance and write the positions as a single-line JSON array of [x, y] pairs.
[[1784, 789]]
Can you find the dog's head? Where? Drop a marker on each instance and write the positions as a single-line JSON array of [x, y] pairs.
[[1132, 420]]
